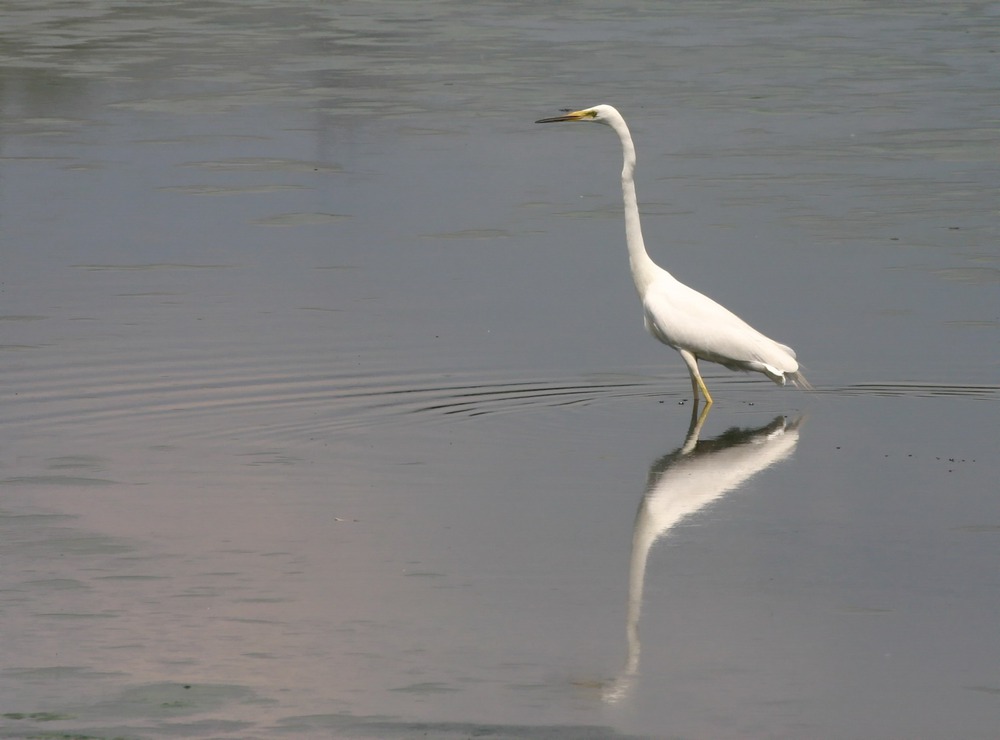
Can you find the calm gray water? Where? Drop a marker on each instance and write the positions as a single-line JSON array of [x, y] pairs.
[[326, 408]]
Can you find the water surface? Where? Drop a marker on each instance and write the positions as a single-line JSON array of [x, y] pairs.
[[326, 408]]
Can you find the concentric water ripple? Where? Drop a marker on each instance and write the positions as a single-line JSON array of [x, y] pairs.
[[303, 397], [294, 398]]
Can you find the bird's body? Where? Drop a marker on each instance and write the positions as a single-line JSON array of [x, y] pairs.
[[711, 332], [678, 315]]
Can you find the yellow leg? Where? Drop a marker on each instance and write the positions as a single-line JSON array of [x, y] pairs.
[[696, 380], [704, 390]]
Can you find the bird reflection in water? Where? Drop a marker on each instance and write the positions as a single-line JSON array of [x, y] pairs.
[[682, 482]]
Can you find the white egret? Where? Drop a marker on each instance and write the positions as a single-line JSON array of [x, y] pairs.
[[679, 316]]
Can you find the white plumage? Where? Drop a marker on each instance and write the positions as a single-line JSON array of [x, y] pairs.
[[677, 315]]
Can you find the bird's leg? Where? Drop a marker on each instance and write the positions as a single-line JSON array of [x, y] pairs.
[[696, 380], [704, 389]]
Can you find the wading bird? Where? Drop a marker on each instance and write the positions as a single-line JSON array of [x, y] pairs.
[[679, 316]]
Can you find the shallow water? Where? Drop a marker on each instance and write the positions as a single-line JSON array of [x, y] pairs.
[[326, 408]]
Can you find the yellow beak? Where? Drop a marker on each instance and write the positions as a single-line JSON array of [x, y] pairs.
[[576, 115]]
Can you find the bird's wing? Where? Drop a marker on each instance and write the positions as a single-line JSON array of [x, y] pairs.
[[684, 318]]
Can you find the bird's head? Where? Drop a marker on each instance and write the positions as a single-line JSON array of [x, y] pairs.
[[599, 114]]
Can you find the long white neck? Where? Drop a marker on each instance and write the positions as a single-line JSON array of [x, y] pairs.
[[644, 270]]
